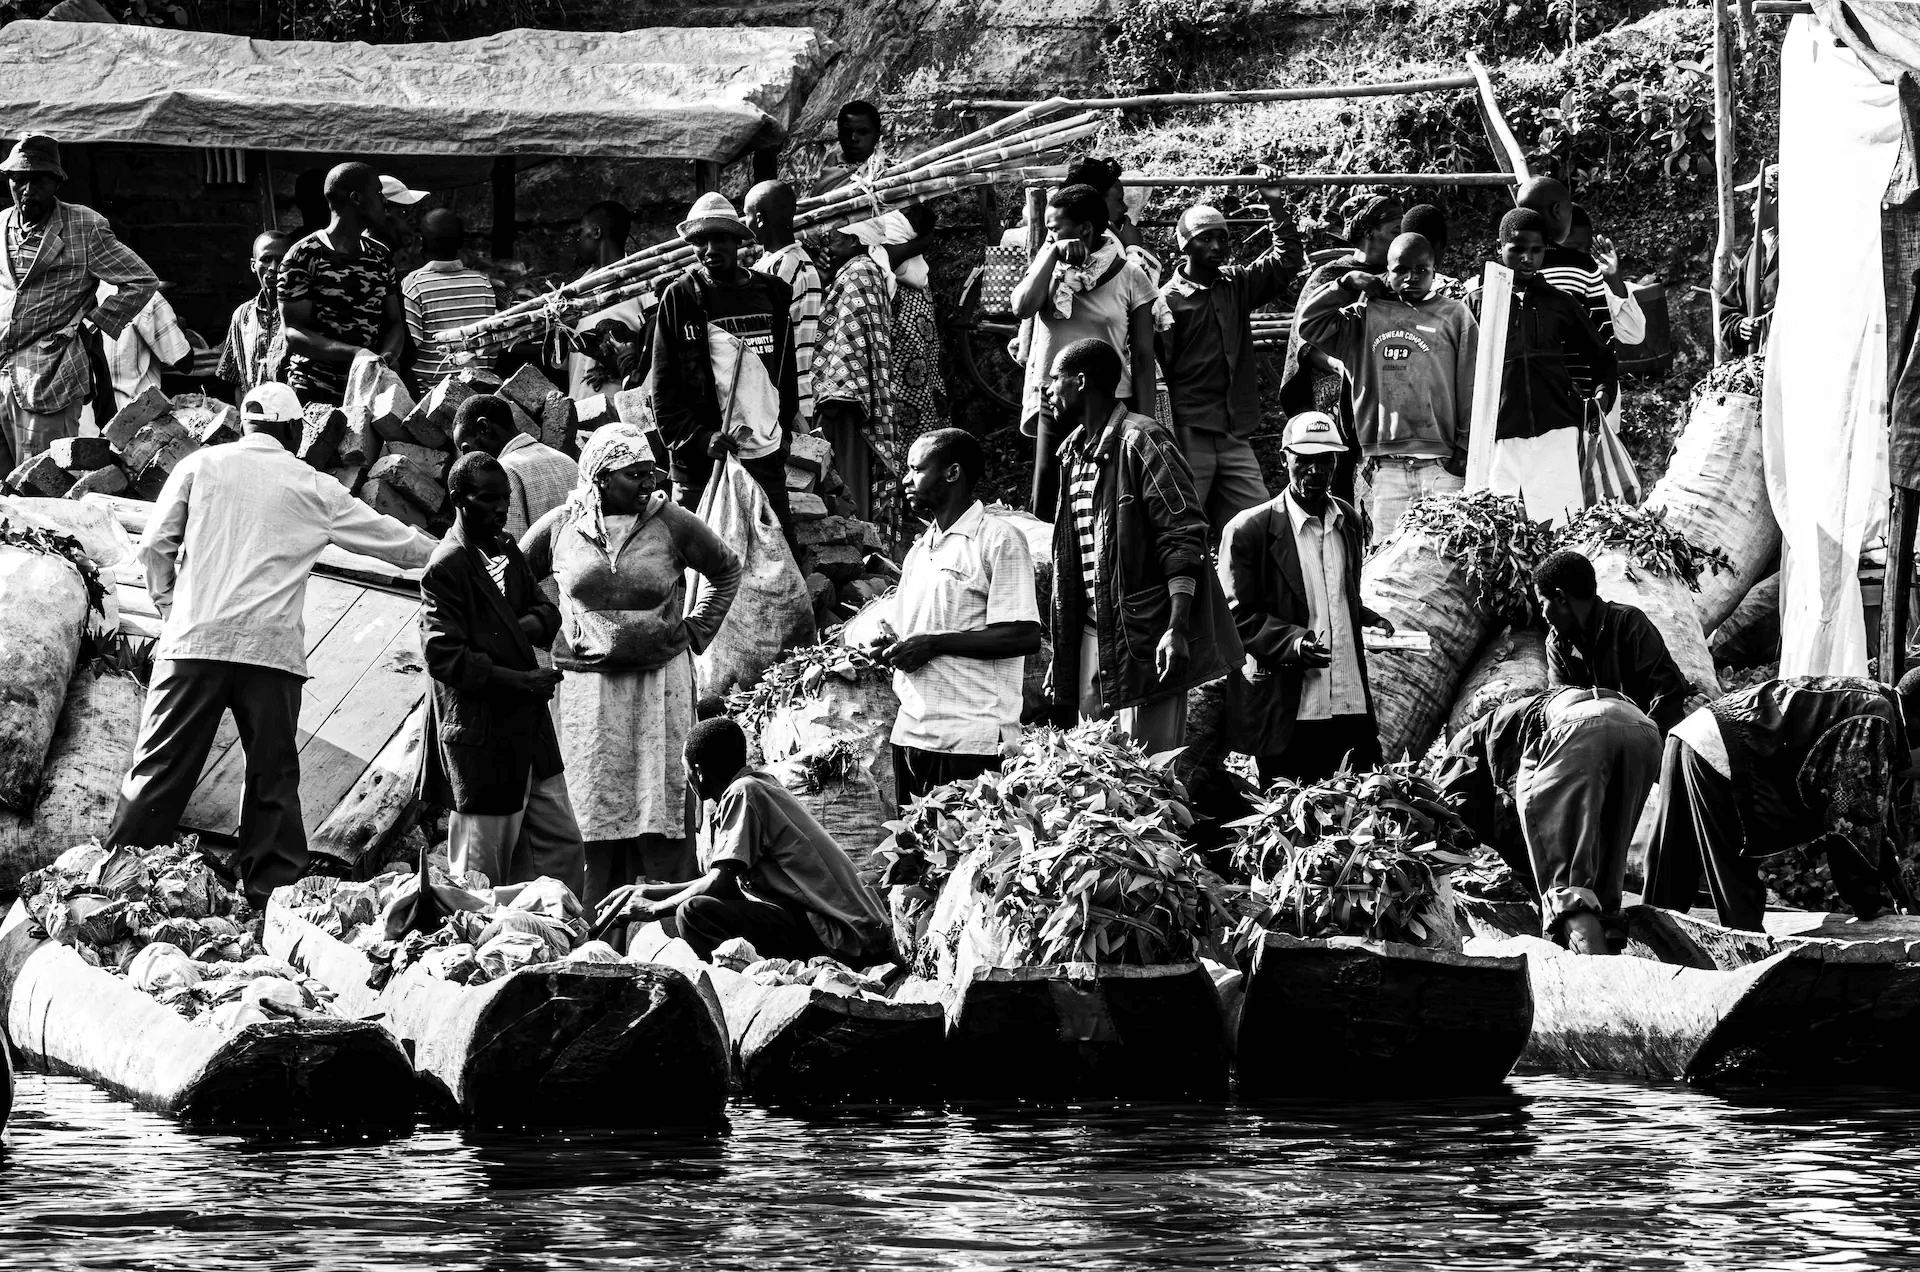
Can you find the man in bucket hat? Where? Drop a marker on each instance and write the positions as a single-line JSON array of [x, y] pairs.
[[714, 313], [53, 258], [1207, 356]]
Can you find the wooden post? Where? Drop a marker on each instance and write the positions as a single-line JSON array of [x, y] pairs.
[[1234, 97], [1489, 366], [766, 165], [1723, 161], [504, 214], [1895, 599], [263, 179], [706, 176], [1506, 146]]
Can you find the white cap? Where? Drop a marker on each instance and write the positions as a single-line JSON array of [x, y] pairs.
[[394, 190], [1312, 433], [272, 402]]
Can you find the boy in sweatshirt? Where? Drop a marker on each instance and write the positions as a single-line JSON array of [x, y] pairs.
[[1409, 356]]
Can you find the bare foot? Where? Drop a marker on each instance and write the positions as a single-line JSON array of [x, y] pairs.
[[1584, 933]]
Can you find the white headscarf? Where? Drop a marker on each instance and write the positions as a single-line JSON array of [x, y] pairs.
[[611, 448]]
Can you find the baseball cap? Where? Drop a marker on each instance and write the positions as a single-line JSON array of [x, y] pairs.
[[271, 402], [1312, 433], [1197, 220], [394, 190]]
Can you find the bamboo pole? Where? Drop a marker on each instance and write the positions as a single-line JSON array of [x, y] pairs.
[[1490, 366], [1046, 176], [1723, 161], [1505, 144], [980, 136], [997, 156], [1316, 92]]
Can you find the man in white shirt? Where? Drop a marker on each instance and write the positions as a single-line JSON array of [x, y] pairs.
[[1291, 571], [233, 536], [967, 619]]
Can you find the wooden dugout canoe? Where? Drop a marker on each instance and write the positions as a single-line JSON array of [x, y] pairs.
[[605, 1044], [800, 1045], [1087, 1031], [70, 1017], [1696, 1002], [1350, 1012]]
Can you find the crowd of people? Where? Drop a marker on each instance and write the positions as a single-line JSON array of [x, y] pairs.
[[564, 731]]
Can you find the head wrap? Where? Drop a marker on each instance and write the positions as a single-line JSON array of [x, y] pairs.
[[611, 448], [1365, 213], [875, 234], [1197, 220]]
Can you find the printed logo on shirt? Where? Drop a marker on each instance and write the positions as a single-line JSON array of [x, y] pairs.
[[1399, 352], [755, 329]]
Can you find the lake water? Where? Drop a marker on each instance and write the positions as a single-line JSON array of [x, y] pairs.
[[1559, 1173]]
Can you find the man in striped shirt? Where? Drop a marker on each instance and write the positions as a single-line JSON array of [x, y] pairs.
[[440, 295], [770, 208]]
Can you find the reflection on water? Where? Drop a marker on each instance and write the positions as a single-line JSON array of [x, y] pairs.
[[1558, 1173]]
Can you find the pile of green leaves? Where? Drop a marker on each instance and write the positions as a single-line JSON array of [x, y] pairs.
[[797, 677], [1644, 535], [1746, 375], [53, 543], [1360, 854], [819, 768], [1083, 849], [1498, 546]]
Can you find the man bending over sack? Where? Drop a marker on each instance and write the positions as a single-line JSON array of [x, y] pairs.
[[491, 754], [1554, 782], [1604, 644], [1813, 761], [773, 876]]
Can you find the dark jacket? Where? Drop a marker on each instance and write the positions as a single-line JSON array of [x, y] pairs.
[[483, 741], [685, 403], [1625, 652], [1148, 528], [1227, 304], [1544, 327], [1267, 595], [1765, 280]]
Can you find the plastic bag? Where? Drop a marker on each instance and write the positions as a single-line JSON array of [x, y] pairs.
[[367, 379], [772, 611]]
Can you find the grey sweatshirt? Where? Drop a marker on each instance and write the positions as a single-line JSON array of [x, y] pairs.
[[1411, 366]]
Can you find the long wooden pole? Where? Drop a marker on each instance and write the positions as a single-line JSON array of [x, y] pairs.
[[1489, 367], [1723, 161], [981, 136], [1046, 176], [1315, 92], [1497, 126]]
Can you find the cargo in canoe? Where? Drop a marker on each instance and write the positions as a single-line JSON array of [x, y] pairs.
[[606, 1044], [1352, 1013], [1071, 1031], [68, 1016], [1693, 1001], [795, 1044]]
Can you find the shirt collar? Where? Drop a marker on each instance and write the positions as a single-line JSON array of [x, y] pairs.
[[444, 267], [1331, 519], [520, 442], [260, 442], [1183, 284], [967, 527]]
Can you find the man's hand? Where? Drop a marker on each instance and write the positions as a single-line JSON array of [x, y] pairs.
[[1274, 194], [531, 625], [1606, 395], [1748, 329], [722, 445], [1382, 624], [1170, 657], [1311, 653], [539, 683], [1370, 285], [1605, 256], [1456, 464], [909, 653], [1071, 252], [391, 357]]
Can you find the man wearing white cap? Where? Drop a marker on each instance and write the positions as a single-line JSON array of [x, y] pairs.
[[227, 551], [1291, 572], [709, 397], [1207, 356]]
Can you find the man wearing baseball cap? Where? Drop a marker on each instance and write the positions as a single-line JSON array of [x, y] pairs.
[[714, 299], [227, 551], [1291, 572], [1207, 357], [53, 257]]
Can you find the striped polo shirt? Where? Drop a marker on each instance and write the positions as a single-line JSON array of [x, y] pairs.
[[438, 296]]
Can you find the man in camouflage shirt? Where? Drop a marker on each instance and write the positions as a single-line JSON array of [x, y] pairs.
[[338, 293]]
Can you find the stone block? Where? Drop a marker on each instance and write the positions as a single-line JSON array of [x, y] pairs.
[[401, 474], [136, 415], [381, 497], [321, 433], [591, 412], [799, 481], [840, 563], [391, 406], [867, 535], [432, 462], [209, 421], [359, 444], [431, 420], [111, 480], [351, 477], [859, 592], [631, 406], [558, 424], [41, 477], [146, 487], [807, 507], [810, 454], [528, 389], [478, 379], [157, 448], [820, 592], [827, 530], [83, 454], [841, 504]]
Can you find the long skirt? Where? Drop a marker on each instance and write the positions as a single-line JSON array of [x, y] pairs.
[[919, 392], [622, 736]]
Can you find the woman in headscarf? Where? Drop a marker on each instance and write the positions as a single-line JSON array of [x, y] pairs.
[[620, 550], [853, 370]]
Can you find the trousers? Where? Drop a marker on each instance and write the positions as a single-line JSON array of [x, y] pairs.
[[1388, 485], [185, 700], [915, 772], [1697, 830], [1226, 475], [1580, 802], [25, 433], [541, 839], [1158, 724], [1318, 748], [775, 930]]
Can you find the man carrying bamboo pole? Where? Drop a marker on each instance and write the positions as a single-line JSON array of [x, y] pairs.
[[1207, 355], [769, 209], [604, 341], [857, 130]]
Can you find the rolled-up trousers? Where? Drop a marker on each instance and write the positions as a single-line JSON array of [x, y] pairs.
[[185, 700], [1580, 802]]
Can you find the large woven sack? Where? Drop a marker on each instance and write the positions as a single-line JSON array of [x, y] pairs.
[[771, 613], [1513, 665], [1668, 602], [848, 807], [89, 520], [43, 610], [1751, 634], [80, 781], [1715, 493], [1416, 586]]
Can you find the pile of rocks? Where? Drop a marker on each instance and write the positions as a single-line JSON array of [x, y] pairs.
[[143, 443], [847, 562]]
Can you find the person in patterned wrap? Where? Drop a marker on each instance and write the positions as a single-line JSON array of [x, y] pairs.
[[338, 292]]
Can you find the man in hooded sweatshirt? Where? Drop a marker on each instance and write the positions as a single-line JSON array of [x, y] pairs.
[[1409, 351]]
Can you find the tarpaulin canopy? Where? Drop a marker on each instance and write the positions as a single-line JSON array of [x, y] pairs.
[[659, 93]]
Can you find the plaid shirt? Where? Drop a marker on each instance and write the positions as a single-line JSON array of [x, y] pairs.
[[150, 343], [792, 266], [540, 479], [255, 350], [76, 255]]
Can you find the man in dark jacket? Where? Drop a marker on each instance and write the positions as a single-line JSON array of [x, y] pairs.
[[1599, 644], [491, 754], [1137, 614], [1207, 355], [1290, 569], [717, 293], [1815, 761]]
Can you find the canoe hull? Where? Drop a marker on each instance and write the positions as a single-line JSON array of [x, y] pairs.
[[1087, 1031], [1371, 1014], [798, 1045]]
